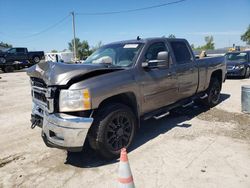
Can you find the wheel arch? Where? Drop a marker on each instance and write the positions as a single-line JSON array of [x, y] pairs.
[[217, 74], [127, 98]]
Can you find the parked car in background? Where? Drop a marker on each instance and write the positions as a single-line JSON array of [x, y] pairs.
[[15, 58], [238, 64], [104, 99]]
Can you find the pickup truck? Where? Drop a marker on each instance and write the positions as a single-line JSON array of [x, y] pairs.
[[238, 64], [9, 58], [103, 100]]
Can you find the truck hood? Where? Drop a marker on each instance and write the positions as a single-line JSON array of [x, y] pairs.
[[61, 74]]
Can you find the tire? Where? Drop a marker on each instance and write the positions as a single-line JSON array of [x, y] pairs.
[[113, 128], [2, 60], [9, 69], [36, 59], [247, 74], [213, 93]]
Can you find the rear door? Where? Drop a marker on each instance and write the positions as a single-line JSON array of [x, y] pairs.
[[158, 85], [21, 54], [186, 69]]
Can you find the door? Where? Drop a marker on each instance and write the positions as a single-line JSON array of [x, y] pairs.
[[21, 54], [17, 54], [186, 69], [158, 85], [11, 54]]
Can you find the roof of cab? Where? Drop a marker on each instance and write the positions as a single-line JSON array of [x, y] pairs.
[[145, 40]]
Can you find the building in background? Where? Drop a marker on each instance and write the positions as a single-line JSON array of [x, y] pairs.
[[59, 57]]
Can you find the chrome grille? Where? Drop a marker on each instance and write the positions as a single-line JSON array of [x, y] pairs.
[[41, 94]]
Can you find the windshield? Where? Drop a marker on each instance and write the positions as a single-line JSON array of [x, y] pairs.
[[119, 55], [237, 56]]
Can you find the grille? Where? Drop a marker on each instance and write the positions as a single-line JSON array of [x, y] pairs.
[[38, 83], [42, 94], [40, 97]]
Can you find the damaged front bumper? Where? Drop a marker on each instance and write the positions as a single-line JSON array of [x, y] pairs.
[[63, 131]]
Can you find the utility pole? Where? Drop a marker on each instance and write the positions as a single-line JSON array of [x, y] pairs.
[[74, 33]]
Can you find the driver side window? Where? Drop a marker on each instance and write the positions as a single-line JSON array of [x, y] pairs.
[[13, 50], [154, 49]]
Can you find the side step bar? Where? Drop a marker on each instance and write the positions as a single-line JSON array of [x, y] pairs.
[[188, 104], [161, 116], [204, 96]]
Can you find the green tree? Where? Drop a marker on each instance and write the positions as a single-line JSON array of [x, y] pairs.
[[6, 45], [85, 50], [246, 36], [82, 48], [209, 43], [53, 51], [208, 46], [97, 46], [78, 47], [172, 36]]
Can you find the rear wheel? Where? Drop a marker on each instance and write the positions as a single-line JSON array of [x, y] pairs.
[[8, 69], [113, 129], [247, 74], [36, 59], [213, 93]]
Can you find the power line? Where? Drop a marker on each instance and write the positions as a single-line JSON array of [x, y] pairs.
[[130, 10], [42, 31], [48, 28]]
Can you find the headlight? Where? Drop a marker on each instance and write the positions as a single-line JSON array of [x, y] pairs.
[[74, 100], [239, 67]]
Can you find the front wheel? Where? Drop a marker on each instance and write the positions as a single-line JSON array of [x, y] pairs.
[[2, 60], [8, 69], [213, 93], [113, 129]]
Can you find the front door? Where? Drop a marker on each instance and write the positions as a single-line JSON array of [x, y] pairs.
[[158, 85]]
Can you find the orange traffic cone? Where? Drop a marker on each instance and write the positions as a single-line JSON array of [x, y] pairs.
[[125, 179]]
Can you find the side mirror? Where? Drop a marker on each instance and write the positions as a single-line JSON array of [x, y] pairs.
[[162, 60]]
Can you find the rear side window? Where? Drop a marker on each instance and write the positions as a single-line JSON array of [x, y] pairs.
[[20, 50], [181, 52]]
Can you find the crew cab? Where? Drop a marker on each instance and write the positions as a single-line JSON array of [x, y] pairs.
[[238, 64], [17, 58], [103, 100]]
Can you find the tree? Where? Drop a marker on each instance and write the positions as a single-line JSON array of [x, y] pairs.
[[82, 48], [172, 36], [53, 51], [208, 46], [97, 46], [209, 43], [5, 45], [246, 36]]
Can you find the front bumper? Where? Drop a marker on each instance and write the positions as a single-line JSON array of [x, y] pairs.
[[61, 130], [64, 131], [236, 72]]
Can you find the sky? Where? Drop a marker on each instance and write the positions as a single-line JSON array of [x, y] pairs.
[[31, 23]]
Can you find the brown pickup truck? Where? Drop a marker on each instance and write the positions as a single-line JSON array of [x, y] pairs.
[[103, 100]]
